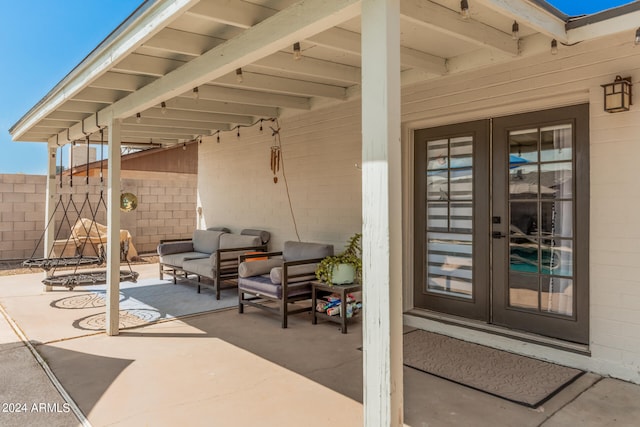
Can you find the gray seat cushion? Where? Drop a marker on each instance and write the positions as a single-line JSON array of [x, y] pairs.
[[201, 267], [262, 285], [177, 260]]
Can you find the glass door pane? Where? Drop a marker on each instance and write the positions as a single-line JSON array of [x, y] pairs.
[[449, 234], [540, 212], [540, 223], [451, 219]]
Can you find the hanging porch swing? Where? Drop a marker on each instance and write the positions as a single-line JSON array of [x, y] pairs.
[[88, 251]]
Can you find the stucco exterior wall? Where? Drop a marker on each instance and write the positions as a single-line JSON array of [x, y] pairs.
[[320, 148], [319, 156], [166, 209]]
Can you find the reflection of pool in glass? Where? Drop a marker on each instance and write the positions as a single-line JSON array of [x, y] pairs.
[[523, 257]]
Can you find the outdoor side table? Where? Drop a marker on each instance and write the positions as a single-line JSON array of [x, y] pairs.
[[342, 290]]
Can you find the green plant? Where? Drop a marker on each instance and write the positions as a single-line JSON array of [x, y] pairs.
[[351, 255]]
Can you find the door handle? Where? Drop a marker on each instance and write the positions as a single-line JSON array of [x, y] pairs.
[[498, 235]]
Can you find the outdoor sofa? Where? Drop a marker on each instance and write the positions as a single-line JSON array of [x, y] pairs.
[[211, 254]]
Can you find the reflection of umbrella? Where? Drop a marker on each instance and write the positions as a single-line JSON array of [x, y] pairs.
[[515, 161], [520, 187]]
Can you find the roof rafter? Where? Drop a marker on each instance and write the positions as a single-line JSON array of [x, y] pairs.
[[238, 13], [266, 83], [198, 116], [183, 42], [349, 42], [535, 17], [252, 97], [187, 124], [302, 20], [446, 21], [186, 102], [310, 67]]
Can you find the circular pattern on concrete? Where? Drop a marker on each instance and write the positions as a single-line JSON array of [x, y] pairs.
[[128, 319], [76, 302]]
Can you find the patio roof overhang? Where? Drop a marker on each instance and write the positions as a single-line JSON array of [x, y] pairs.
[[166, 48]]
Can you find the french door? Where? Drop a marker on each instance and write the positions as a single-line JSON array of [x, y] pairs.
[[502, 221]]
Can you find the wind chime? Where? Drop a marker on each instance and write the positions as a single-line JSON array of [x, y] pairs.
[[275, 154], [275, 162]]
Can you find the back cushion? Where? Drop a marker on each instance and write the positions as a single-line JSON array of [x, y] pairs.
[[264, 235], [294, 251], [230, 241], [206, 241]]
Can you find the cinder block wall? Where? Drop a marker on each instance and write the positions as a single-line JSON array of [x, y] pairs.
[[166, 209]]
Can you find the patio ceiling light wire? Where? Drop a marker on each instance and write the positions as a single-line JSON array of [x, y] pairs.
[[236, 129]]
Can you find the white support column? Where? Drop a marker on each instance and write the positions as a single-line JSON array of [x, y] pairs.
[[113, 229], [50, 204], [382, 213]]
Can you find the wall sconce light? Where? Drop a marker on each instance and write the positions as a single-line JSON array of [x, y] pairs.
[[554, 47], [239, 76], [617, 95]]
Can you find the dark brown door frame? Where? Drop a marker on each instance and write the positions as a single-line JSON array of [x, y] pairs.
[[576, 328], [478, 306]]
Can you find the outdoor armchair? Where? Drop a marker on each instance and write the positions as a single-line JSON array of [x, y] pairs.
[[280, 278]]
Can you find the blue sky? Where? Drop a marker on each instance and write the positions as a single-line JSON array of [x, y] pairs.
[[42, 40]]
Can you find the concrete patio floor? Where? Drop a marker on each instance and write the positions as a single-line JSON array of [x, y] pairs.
[[226, 369]]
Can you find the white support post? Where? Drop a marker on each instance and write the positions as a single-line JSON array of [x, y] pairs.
[[113, 229], [50, 203], [382, 214]]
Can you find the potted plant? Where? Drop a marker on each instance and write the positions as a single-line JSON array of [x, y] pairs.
[[345, 267]]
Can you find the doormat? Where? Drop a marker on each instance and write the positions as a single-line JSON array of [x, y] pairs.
[[516, 378]]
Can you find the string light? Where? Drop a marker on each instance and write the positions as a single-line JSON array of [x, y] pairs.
[[236, 128], [297, 53], [239, 77], [163, 108], [464, 9], [196, 93], [515, 30], [554, 47], [138, 117]]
